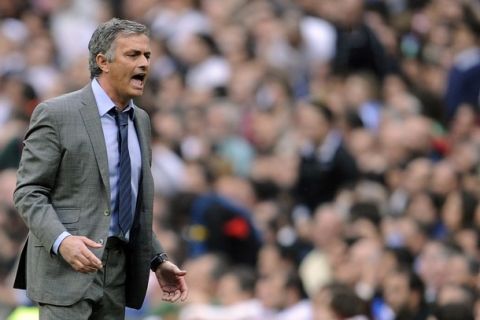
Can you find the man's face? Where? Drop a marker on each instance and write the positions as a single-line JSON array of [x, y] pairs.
[[128, 70], [396, 291], [229, 290], [271, 290], [311, 124]]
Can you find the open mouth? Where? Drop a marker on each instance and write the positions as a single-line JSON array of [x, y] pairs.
[[139, 79]]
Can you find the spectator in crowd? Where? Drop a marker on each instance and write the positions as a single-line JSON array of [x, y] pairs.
[[207, 270], [222, 120], [452, 293], [337, 301], [282, 296], [215, 223], [458, 210], [454, 311], [462, 85], [325, 163], [16, 103], [274, 256], [326, 234], [207, 71], [403, 296], [362, 97], [358, 48], [236, 286], [432, 267], [235, 292]]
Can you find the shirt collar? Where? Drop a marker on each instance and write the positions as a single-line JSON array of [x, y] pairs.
[[330, 145], [104, 103], [467, 58], [326, 151]]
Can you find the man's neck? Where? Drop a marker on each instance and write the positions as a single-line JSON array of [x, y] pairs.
[[120, 102]]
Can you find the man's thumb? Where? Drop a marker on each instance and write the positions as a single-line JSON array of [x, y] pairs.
[[180, 273]]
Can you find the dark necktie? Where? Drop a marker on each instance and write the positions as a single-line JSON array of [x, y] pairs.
[[124, 197]]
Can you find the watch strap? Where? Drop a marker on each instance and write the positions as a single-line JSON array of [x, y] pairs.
[[158, 260]]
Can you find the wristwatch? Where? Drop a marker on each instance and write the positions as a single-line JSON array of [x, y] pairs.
[[158, 260]]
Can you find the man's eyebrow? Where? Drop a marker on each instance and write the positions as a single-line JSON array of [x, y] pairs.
[[137, 51]]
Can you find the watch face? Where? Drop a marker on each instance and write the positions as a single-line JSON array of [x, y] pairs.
[[163, 257]]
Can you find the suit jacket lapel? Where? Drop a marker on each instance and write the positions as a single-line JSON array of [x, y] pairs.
[[142, 188], [142, 139], [93, 125]]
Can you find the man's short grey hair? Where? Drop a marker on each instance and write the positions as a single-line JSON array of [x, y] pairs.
[[103, 40]]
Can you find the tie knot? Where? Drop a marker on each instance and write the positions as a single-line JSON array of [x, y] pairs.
[[121, 117]]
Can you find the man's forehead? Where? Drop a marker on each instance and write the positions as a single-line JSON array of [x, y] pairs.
[[133, 40]]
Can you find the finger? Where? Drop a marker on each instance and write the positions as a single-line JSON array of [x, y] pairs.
[[84, 257], [94, 261], [184, 295], [87, 269], [166, 296], [183, 289], [169, 292], [83, 260], [79, 266], [176, 296]]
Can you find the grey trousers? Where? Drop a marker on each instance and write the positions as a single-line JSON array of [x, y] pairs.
[[105, 299]]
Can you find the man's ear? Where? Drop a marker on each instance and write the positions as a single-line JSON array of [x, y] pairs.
[[102, 62]]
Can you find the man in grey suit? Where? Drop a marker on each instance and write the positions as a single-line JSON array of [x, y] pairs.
[[85, 190]]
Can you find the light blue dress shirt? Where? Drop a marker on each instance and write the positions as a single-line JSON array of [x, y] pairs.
[[110, 132]]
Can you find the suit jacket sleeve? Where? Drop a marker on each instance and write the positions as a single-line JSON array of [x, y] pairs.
[[36, 177], [156, 246]]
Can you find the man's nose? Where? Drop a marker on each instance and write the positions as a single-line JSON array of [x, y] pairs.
[[144, 62]]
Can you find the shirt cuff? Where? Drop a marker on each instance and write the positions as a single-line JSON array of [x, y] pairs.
[[59, 240]]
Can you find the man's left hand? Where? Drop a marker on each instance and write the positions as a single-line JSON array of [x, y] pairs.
[[172, 282]]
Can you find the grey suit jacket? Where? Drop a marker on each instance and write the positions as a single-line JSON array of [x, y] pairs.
[[63, 185]]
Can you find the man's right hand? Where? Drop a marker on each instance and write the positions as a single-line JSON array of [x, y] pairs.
[[74, 249]]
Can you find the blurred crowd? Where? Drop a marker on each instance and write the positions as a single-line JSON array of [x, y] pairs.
[[313, 159]]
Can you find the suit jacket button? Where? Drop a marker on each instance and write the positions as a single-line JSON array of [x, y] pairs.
[[100, 241], [106, 212]]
